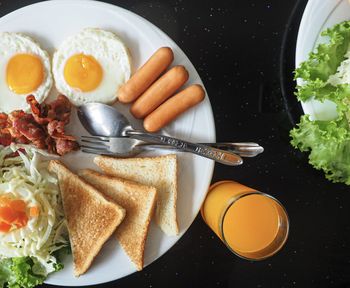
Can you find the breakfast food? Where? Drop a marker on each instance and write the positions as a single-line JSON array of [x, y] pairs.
[[146, 75], [24, 69], [43, 127], [138, 201], [159, 172], [91, 218], [32, 226], [325, 77], [91, 66], [160, 91], [173, 107]]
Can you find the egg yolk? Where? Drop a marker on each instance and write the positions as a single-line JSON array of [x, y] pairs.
[[83, 72], [24, 73], [12, 213]]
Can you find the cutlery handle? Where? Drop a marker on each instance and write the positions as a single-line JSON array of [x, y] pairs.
[[243, 149], [221, 156]]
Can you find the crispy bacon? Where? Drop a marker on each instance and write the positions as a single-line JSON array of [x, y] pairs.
[[31, 130], [5, 136], [3, 120], [58, 109], [51, 145], [44, 127], [63, 146], [61, 107], [40, 112], [5, 139], [56, 130], [34, 105]]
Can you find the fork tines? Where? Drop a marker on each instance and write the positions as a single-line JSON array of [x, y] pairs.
[[98, 138], [99, 145]]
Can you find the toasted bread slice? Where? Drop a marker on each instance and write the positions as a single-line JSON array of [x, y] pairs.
[[159, 172], [138, 201], [91, 218]]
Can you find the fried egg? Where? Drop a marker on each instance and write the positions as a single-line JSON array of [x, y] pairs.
[[91, 66], [24, 69]]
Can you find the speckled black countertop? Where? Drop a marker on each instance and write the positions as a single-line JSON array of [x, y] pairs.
[[236, 47]]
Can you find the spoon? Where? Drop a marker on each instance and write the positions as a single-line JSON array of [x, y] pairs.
[[106, 119], [126, 147]]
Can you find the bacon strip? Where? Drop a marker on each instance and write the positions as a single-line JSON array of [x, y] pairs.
[[44, 127]]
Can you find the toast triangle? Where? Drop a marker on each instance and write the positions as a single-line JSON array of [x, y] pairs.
[[159, 172], [91, 218], [138, 201]]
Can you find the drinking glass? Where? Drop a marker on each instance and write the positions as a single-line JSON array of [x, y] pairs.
[[252, 224]]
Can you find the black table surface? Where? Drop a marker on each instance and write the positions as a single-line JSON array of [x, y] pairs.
[[244, 53]]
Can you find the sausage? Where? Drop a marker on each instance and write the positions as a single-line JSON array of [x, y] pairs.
[[160, 91], [146, 75], [174, 107]]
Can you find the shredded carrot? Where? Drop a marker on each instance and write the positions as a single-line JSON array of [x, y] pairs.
[[4, 227], [18, 205], [7, 215], [21, 220], [4, 201], [34, 211], [12, 213]]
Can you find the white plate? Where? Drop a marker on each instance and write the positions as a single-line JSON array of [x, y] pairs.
[[318, 16], [50, 23]]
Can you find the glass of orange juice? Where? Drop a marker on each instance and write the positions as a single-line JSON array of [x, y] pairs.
[[252, 224]]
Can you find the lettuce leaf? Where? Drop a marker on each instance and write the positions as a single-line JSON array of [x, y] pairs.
[[6, 274], [327, 141], [22, 272], [329, 146], [322, 63], [17, 272]]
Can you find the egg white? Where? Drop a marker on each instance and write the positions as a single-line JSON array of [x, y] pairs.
[[111, 54], [10, 45]]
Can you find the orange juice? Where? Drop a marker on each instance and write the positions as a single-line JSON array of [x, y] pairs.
[[252, 224]]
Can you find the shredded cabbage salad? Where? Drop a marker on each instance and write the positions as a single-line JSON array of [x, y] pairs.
[[34, 246]]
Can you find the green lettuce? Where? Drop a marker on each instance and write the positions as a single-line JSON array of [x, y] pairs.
[[327, 141], [23, 272], [329, 146], [322, 63]]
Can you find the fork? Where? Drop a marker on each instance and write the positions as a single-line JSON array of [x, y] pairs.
[[123, 147]]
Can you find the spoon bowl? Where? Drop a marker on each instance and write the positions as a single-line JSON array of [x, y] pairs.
[[102, 120]]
